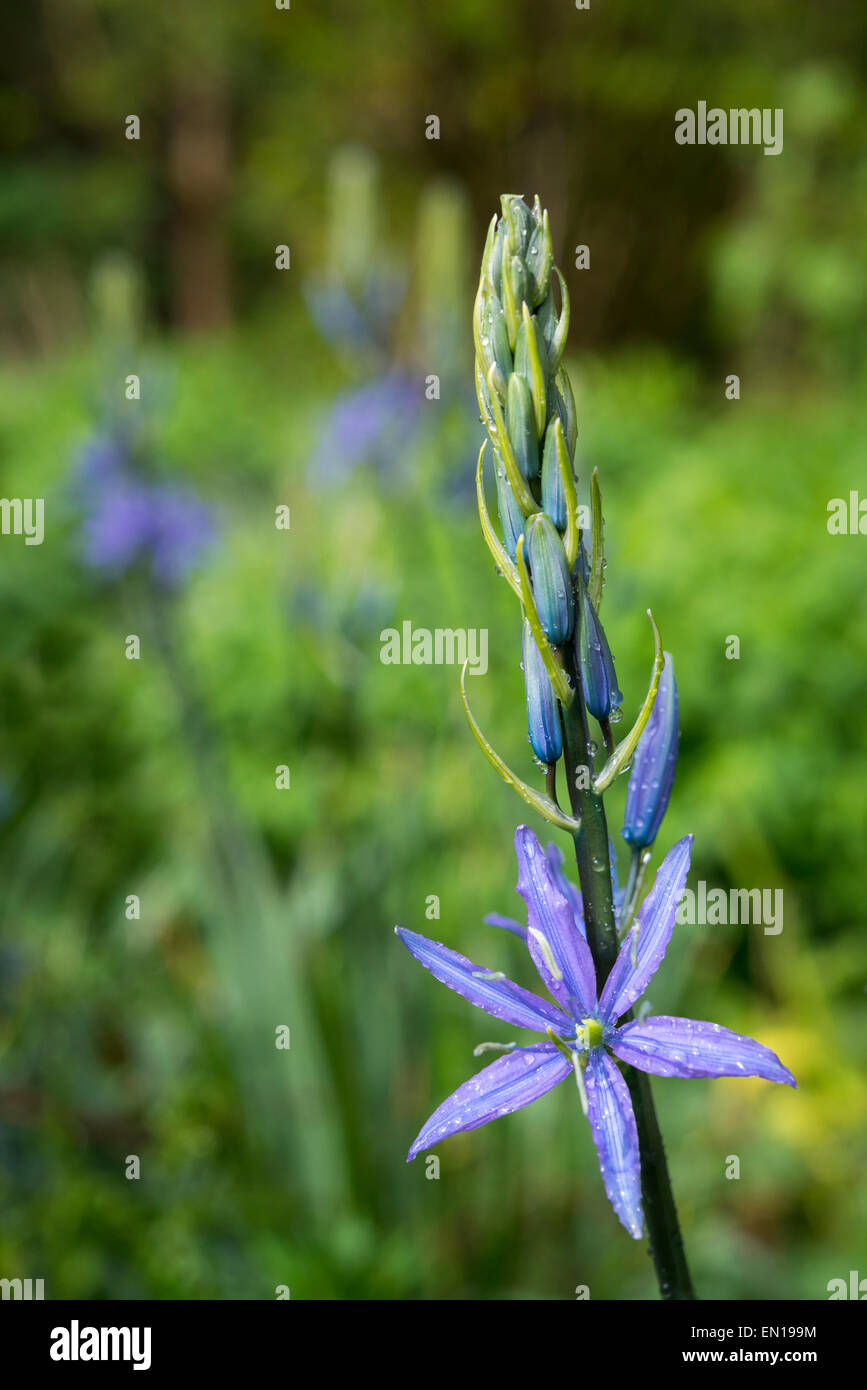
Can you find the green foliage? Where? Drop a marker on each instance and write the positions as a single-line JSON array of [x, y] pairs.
[[261, 907], [123, 1036]]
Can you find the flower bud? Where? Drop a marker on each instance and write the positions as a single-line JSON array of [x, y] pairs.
[[543, 716], [654, 765], [521, 425], [553, 492], [540, 258], [595, 663], [494, 340], [511, 516], [519, 221], [519, 280], [495, 264], [562, 401], [531, 362], [549, 573]]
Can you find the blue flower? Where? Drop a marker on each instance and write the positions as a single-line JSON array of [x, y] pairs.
[[371, 424], [130, 519], [654, 765], [572, 894], [582, 1025]]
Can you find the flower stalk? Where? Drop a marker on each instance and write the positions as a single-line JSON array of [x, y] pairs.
[[517, 359], [596, 950]]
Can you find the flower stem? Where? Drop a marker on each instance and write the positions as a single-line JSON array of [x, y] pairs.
[[594, 871]]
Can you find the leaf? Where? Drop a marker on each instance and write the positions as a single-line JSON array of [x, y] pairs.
[[540, 803]]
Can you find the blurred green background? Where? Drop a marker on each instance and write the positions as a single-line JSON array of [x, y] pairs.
[[155, 1036]]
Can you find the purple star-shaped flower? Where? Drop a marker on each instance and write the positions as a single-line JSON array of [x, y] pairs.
[[582, 1026]]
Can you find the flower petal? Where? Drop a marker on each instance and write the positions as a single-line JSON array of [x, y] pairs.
[[669, 1046], [506, 1085], [499, 998], [560, 953], [654, 926], [612, 1122], [554, 855], [496, 919]]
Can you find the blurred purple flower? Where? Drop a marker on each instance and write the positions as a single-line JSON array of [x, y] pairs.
[[582, 1024], [130, 520], [372, 424]]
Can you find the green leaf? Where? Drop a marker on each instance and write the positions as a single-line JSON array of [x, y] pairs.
[[504, 562], [540, 803], [597, 561]]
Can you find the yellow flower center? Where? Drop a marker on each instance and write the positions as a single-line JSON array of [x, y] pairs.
[[590, 1033]]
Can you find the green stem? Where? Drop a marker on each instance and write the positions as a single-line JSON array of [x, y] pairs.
[[594, 872]]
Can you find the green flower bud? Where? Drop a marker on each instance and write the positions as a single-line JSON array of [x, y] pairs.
[[540, 258], [494, 340], [520, 222], [519, 280], [532, 364]]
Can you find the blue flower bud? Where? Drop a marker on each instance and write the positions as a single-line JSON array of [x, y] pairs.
[[595, 663], [511, 516], [521, 424], [543, 716], [583, 562], [549, 573], [654, 765], [553, 494]]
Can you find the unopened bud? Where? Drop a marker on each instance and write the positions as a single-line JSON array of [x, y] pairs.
[[543, 715], [654, 765], [595, 663], [521, 425], [549, 573]]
